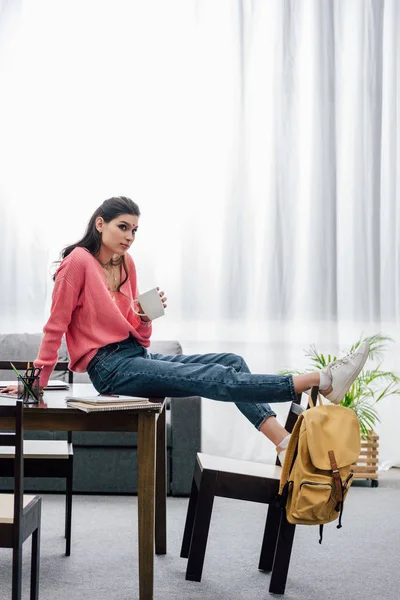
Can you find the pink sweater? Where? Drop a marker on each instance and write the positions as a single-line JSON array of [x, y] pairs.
[[83, 309]]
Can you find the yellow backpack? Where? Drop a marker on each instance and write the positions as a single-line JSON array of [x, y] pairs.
[[316, 476]]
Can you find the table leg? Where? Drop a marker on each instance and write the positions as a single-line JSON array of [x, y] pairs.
[[146, 493], [161, 487]]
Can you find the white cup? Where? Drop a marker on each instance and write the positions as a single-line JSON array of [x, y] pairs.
[[151, 304]]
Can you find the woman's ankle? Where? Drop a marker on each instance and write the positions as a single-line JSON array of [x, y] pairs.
[[283, 443], [273, 430], [303, 383]]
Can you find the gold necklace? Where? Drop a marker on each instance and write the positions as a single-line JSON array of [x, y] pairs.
[[114, 284]]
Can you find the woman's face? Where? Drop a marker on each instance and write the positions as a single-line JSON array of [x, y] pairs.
[[118, 235]]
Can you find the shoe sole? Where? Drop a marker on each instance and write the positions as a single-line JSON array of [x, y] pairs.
[[348, 385]]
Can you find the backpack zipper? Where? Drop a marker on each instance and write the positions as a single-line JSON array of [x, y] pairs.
[[314, 483]]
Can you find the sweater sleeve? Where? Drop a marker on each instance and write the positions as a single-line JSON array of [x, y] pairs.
[[64, 300], [144, 328]]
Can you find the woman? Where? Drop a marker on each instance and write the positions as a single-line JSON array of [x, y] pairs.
[[93, 305]]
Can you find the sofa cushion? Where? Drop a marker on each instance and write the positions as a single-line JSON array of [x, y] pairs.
[[25, 346], [165, 347], [96, 470], [158, 347]]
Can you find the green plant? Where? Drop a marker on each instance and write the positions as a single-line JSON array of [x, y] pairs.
[[370, 387]]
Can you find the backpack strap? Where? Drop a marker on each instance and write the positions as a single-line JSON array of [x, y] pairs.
[[291, 451], [336, 476], [314, 397], [338, 486], [321, 533]]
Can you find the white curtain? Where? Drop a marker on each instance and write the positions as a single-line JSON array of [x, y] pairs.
[[260, 139]]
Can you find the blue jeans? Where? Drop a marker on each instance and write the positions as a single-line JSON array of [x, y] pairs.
[[127, 368]]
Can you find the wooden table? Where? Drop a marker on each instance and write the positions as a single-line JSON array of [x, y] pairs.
[[53, 414]]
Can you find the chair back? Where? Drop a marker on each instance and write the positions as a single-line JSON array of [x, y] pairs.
[[15, 413], [294, 411]]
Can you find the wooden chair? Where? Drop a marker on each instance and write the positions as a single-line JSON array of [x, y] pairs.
[[19, 515], [240, 480], [45, 458]]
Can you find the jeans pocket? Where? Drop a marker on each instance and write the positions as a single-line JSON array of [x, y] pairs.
[[105, 358], [98, 380]]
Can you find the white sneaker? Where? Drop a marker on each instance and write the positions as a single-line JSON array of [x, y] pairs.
[[343, 372]]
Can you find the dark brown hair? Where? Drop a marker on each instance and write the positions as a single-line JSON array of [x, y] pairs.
[[109, 210]]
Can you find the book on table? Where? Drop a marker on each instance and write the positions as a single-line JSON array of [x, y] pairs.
[[106, 402]]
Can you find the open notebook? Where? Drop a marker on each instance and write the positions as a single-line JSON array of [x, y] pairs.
[[104, 402]]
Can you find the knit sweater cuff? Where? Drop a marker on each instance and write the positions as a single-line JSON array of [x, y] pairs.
[[45, 375]]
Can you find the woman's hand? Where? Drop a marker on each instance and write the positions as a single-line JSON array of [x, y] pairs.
[[10, 389], [13, 389], [163, 300], [143, 317]]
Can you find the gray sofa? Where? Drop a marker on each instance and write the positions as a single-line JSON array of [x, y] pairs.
[[107, 462]]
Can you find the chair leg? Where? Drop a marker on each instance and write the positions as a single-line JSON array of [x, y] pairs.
[[17, 573], [187, 534], [282, 556], [201, 525], [35, 560], [270, 538], [68, 507]]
